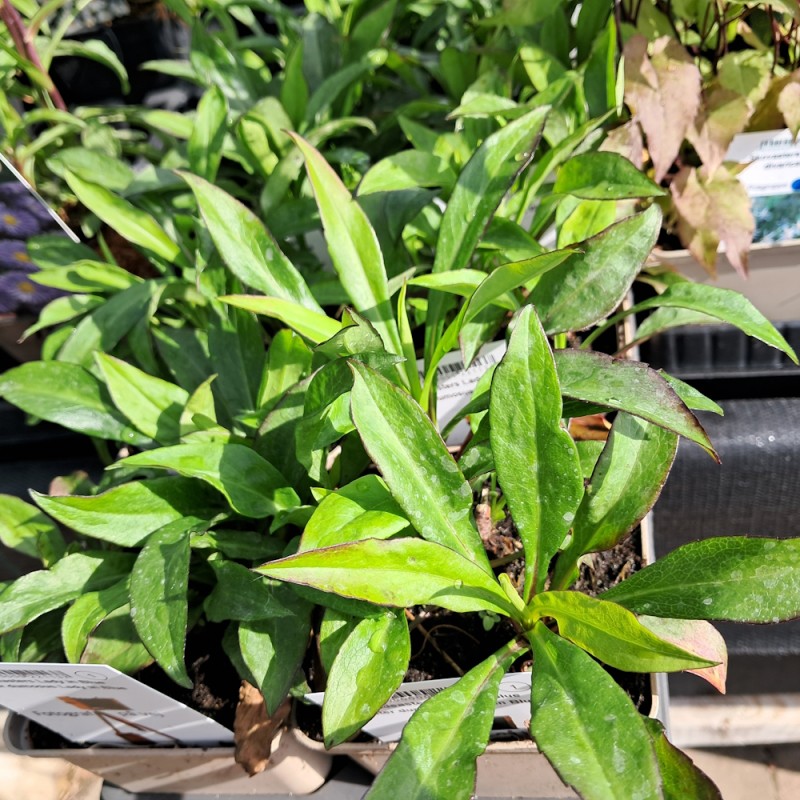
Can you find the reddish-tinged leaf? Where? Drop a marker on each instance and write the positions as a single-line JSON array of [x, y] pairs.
[[722, 115], [698, 637], [627, 141], [663, 92], [713, 211]]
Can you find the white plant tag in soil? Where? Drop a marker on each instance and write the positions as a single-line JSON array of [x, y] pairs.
[[91, 703], [513, 704], [454, 384]]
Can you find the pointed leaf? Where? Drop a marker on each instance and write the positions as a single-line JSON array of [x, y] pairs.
[[617, 639], [699, 637], [204, 147], [133, 224], [436, 757], [625, 483], [536, 460], [415, 463], [368, 668], [313, 325], [247, 247], [727, 578], [405, 170], [159, 602], [587, 725], [628, 386], [67, 395], [589, 285], [127, 514], [680, 777], [353, 246], [604, 176], [396, 572], [724, 304], [38, 592], [153, 405], [251, 484]]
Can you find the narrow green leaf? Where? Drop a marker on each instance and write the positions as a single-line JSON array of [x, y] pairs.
[[368, 668], [25, 529], [436, 757], [87, 276], [353, 246], [96, 50], [135, 225], [478, 192], [313, 325], [663, 319], [38, 592], [67, 395], [153, 405], [105, 327], [724, 304], [208, 133], [624, 485], [240, 595], [273, 649], [695, 400], [627, 386], [617, 639], [415, 463], [244, 545], [396, 572], [604, 176], [462, 282], [589, 285], [587, 725], [127, 514], [63, 309], [535, 457], [726, 578], [247, 248], [86, 613], [159, 602], [363, 509], [251, 484], [93, 166], [681, 778]]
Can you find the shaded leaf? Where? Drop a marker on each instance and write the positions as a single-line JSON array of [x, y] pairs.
[[204, 147], [604, 176], [25, 529], [239, 594], [86, 613], [251, 484]]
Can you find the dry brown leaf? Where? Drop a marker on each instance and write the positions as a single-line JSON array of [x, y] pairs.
[[663, 92], [254, 730], [626, 140], [722, 114], [594, 427], [711, 211]]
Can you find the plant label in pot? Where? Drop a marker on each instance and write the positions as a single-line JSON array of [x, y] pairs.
[[94, 703]]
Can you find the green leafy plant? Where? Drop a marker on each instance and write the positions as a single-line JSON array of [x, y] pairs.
[[272, 458]]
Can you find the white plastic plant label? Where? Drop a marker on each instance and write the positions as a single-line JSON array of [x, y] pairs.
[[89, 703], [513, 703], [456, 384]]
